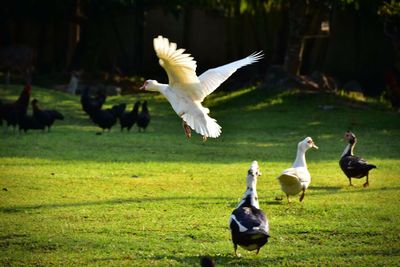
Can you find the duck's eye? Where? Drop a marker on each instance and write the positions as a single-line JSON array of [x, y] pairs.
[[309, 141]]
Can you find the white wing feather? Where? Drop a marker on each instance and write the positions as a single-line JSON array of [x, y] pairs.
[[212, 78], [180, 67]]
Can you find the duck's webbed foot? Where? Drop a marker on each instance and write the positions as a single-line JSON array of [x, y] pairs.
[[204, 138], [187, 130]]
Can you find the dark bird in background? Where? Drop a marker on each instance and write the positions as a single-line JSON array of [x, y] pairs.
[[13, 112], [28, 122], [92, 103], [106, 118], [45, 116], [353, 166], [207, 261], [143, 117], [249, 225], [128, 119]]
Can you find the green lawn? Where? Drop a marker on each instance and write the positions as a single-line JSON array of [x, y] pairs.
[[74, 198]]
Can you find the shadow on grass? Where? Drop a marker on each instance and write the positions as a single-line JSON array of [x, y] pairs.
[[351, 190], [326, 189], [248, 259], [344, 190], [204, 201], [200, 201], [220, 260]]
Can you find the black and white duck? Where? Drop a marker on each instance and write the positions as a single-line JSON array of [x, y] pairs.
[[249, 225], [353, 166], [297, 178]]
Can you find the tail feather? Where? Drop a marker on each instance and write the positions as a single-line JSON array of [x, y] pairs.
[[205, 125], [372, 166]]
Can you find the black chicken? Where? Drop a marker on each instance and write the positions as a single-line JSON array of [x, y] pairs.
[[106, 118], [143, 117], [91, 104], [45, 116], [27, 122], [13, 112], [128, 119], [353, 166]]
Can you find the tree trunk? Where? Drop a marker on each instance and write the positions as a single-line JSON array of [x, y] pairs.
[[298, 23], [392, 30]]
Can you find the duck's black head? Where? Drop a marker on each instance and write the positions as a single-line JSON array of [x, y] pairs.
[[350, 137]]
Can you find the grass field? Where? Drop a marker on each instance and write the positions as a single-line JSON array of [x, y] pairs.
[[74, 198]]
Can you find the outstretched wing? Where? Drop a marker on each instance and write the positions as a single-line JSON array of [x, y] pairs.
[[212, 78], [180, 67]]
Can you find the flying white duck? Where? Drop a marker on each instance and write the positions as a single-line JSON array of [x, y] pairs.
[[185, 91], [297, 179]]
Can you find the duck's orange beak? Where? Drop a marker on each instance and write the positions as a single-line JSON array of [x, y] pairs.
[[314, 145]]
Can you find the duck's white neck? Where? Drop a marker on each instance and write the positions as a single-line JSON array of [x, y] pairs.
[[250, 196], [157, 87], [348, 150], [251, 182], [300, 160]]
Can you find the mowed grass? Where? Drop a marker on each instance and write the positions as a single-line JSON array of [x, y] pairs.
[[74, 198]]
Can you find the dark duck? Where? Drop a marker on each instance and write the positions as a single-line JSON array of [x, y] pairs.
[[28, 122], [106, 118], [45, 117], [128, 119], [92, 104], [13, 113], [353, 166], [143, 119], [249, 225]]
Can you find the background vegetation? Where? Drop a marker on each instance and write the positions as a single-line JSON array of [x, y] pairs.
[[106, 38]]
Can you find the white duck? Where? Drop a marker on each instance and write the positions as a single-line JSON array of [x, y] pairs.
[[185, 91], [297, 179]]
